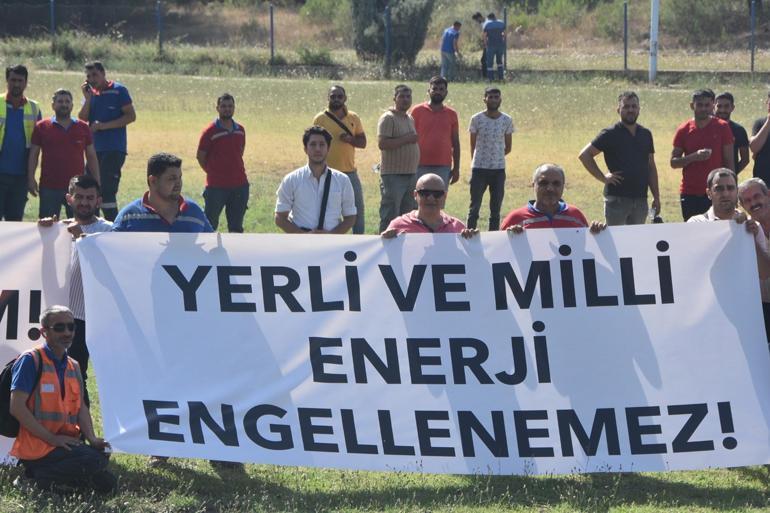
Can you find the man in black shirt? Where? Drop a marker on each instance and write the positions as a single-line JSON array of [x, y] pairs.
[[629, 155], [759, 149], [725, 105]]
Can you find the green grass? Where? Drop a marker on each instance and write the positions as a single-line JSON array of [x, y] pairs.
[[554, 119]]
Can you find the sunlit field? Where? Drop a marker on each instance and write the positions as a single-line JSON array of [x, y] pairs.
[[554, 120]]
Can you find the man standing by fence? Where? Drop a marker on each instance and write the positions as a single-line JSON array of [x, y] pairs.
[[347, 135], [494, 42], [108, 108], [17, 122], [450, 50]]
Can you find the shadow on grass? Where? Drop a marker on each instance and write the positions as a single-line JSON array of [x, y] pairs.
[[187, 485]]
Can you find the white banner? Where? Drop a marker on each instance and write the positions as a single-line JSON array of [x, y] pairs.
[[34, 266], [638, 349]]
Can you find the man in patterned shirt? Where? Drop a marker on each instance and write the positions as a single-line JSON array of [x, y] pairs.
[[491, 132]]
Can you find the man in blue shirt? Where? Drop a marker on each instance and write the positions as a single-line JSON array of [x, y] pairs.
[[494, 42], [107, 107], [450, 50], [162, 208], [17, 121]]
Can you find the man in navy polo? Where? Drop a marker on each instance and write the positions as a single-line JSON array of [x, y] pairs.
[[17, 121], [107, 108], [162, 208]]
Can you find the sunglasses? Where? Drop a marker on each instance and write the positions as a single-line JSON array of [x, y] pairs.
[[424, 193], [336, 96], [60, 327]]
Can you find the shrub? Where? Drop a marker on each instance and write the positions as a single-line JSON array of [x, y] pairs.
[[315, 56], [705, 22], [409, 24]]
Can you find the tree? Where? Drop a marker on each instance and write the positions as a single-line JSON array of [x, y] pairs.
[[409, 26]]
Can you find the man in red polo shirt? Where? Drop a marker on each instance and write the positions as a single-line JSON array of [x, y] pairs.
[[438, 134], [548, 209], [701, 145], [220, 154], [63, 141]]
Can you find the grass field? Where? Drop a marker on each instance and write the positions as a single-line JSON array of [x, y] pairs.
[[553, 120]]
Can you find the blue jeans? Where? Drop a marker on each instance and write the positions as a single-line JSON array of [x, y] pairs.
[[51, 201], [110, 165], [358, 193], [448, 65], [82, 467], [13, 196], [480, 180], [235, 201], [397, 197], [495, 53], [445, 172]]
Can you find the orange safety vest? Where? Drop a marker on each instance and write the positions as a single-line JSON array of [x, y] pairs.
[[58, 415]]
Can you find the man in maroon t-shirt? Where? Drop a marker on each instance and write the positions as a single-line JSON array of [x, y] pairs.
[[63, 141], [701, 145], [220, 154]]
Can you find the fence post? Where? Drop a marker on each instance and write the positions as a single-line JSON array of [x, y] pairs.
[[505, 40], [753, 31], [272, 34], [53, 17], [388, 49], [654, 19], [159, 21], [625, 36]]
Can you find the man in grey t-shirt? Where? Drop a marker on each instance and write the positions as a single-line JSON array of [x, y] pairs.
[[491, 132]]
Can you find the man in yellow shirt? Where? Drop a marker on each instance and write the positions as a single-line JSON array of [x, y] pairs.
[[347, 135]]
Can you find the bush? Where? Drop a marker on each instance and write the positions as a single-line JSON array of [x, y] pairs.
[[315, 56], [705, 23], [409, 26]]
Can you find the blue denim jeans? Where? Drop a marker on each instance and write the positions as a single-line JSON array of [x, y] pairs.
[[51, 201], [495, 53], [445, 172], [234, 200], [13, 196]]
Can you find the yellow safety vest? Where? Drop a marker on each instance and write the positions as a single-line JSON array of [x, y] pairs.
[[31, 113]]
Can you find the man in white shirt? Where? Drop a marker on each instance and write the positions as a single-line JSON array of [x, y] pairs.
[[315, 198]]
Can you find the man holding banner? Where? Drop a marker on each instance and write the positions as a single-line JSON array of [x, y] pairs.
[[315, 198], [163, 208], [430, 194]]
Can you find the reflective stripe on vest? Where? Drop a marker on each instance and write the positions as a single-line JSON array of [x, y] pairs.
[[57, 414], [31, 113]]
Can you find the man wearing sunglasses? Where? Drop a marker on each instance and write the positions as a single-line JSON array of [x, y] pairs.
[[54, 422], [430, 195]]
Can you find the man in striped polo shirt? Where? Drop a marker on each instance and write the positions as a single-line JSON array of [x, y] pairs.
[[162, 208], [548, 210], [220, 155]]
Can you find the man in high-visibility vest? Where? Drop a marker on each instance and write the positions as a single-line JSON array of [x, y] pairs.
[[54, 422], [17, 121]]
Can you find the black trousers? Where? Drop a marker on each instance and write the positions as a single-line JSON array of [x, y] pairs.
[[81, 467]]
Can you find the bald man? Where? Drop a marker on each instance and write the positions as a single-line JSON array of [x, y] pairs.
[[430, 195]]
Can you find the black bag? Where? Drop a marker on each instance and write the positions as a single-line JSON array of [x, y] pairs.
[[9, 425]]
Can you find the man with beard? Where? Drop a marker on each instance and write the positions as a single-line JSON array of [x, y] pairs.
[[62, 141], [315, 198], [548, 210], [722, 192], [220, 155], [491, 133], [108, 109], [162, 208], [725, 105], [701, 145], [397, 141], [438, 134], [629, 154], [84, 198], [430, 194], [347, 135], [760, 150], [17, 123]]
